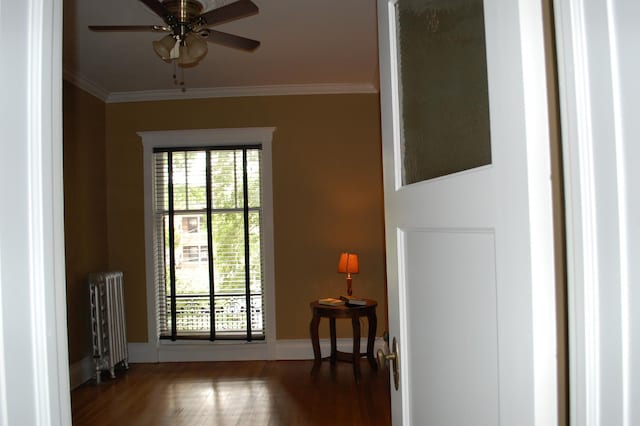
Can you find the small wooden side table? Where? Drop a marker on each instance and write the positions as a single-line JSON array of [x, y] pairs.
[[345, 311]]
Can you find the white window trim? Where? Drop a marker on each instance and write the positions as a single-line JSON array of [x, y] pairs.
[[166, 351]]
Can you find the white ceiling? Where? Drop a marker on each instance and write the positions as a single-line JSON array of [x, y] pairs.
[[305, 43]]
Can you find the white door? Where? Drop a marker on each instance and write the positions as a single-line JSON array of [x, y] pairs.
[[468, 212]]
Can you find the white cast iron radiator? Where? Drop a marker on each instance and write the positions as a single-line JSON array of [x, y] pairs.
[[108, 325]]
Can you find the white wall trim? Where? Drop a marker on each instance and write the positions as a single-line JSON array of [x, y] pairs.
[[216, 92], [599, 94], [46, 214], [582, 246], [245, 351], [35, 372], [211, 137], [85, 84], [301, 348], [290, 349], [81, 371], [623, 17], [234, 92], [142, 353]]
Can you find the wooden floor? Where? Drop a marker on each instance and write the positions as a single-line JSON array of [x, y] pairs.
[[235, 393]]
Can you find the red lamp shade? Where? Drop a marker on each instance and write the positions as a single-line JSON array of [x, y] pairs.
[[348, 264]]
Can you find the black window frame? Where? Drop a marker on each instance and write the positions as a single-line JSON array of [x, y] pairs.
[[174, 334]]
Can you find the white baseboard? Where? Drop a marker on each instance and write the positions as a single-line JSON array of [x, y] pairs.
[[142, 353], [295, 349], [291, 349], [218, 351], [302, 349], [81, 371]]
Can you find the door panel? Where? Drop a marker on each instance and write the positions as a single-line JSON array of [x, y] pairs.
[[455, 344]]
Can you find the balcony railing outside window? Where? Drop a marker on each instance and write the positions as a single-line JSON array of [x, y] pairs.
[[193, 314]]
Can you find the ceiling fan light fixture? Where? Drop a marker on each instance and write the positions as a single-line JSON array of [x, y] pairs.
[[188, 25], [192, 49], [164, 47]]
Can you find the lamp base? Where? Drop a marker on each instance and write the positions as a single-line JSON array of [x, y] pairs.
[[349, 289]]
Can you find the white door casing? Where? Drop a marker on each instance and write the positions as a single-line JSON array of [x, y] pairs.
[[598, 67], [156, 350], [34, 371], [470, 255]]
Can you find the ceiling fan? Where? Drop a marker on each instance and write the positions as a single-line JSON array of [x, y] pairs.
[[188, 28]]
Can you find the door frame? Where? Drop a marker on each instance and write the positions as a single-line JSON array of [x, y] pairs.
[[34, 366], [597, 68]]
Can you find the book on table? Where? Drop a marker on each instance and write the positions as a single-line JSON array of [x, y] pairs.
[[331, 301], [351, 300]]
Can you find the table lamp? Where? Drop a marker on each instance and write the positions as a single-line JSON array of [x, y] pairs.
[[348, 264]]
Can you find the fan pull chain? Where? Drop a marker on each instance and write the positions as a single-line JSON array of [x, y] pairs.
[[175, 77]]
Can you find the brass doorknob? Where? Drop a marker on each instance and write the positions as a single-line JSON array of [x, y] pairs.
[[383, 360]]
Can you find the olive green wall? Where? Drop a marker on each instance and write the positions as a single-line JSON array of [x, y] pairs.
[[85, 208], [327, 186]]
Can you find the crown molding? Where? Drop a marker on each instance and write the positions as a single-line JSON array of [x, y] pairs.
[[216, 92], [234, 92], [85, 84]]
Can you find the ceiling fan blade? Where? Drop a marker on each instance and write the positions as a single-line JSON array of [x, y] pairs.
[[158, 8], [152, 28], [231, 40], [230, 12]]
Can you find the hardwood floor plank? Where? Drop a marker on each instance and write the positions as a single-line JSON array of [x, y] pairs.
[[235, 393]]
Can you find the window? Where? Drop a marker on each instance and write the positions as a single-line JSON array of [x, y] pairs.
[[215, 291], [209, 234]]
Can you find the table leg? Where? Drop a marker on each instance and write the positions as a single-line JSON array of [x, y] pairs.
[[332, 334], [356, 346], [371, 339], [315, 342]]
